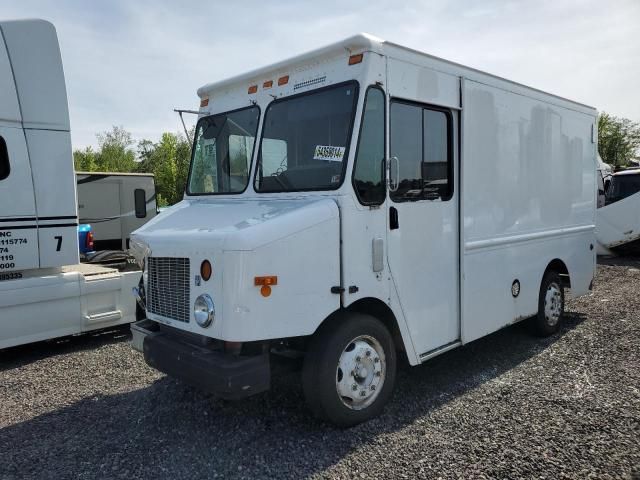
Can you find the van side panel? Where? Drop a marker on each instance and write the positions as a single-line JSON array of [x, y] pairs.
[[528, 189]]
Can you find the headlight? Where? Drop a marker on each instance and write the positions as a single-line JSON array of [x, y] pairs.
[[203, 310]]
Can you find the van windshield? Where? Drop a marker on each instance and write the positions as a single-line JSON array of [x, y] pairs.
[[305, 140], [222, 152]]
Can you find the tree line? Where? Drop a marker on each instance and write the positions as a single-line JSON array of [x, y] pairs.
[[168, 159], [117, 151]]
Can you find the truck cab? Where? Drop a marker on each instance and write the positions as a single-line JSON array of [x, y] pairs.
[[324, 213]]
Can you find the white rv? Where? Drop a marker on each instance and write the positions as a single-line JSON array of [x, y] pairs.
[[44, 292], [360, 200], [115, 204]]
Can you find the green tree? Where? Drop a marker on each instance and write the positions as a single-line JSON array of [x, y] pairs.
[[84, 160], [618, 139], [116, 154], [168, 160]]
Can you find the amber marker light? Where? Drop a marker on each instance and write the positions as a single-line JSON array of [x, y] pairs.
[[205, 270], [265, 284], [283, 80], [353, 59], [253, 89], [204, 102], [267, 84]]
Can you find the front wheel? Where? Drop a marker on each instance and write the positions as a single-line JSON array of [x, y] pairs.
[[550, 305], [349, 370]]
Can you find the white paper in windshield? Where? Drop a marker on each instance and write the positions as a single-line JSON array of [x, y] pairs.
[[327, 152]]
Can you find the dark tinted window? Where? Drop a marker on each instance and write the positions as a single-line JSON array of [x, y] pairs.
[[420, 141], [368, 173], [4, 160], [141, 202], [305, 141], [623, 186]]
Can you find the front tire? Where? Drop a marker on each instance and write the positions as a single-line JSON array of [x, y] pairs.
[[349, 369], [550, 305]]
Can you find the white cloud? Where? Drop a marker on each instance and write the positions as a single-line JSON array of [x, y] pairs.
[[131, 63]]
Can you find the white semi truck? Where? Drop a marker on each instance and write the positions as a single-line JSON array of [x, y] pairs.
[[360, 200], [44, 291]]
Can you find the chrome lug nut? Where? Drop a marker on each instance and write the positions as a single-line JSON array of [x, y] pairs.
[[368, 353], [354, 387], [373, 387], [363, 393]]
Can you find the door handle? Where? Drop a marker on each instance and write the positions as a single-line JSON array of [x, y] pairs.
[[393, 162], [394, 224]]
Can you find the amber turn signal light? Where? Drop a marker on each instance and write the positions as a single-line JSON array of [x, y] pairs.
[[268, 280], [353, 59], [205, 270]]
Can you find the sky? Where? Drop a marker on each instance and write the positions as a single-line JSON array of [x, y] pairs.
[[130, 63]]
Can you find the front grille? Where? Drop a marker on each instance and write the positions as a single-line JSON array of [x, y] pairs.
[[168, 287]]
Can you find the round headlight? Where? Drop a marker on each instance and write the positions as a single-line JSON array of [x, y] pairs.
[[203, 310]]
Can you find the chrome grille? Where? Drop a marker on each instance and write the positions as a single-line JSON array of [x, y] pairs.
[[168, 287]]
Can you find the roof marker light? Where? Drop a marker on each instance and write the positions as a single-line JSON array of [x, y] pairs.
[[267, 84], [253, 89], [283, 80], [204, 102], [353, 59]]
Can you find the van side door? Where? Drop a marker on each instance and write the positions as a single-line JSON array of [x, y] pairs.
[[423, 217]]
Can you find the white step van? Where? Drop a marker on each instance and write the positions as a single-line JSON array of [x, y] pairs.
[[361, 200], [44, 291]]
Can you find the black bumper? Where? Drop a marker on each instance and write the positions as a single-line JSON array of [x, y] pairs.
[[226, 376]]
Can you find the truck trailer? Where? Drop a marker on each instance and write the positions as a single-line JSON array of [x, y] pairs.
[[360, 204], [115, 204], [44, 291]]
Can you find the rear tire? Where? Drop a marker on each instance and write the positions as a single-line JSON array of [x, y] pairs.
[[550, 305], [349, 370]]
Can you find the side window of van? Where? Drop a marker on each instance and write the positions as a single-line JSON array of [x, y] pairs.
[[4, 160], [368, 172], [140, 199], [421, 140]]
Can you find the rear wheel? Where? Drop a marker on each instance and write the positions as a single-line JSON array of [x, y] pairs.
[[349, 370], [550, 305]]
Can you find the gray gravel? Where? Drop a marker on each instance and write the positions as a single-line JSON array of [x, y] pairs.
[[507, 406]]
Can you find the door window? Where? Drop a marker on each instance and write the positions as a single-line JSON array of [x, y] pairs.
[[4, 160], [420, 141], [140, 199], [368, 173]]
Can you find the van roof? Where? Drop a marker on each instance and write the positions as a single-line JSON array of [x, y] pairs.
[[356, 44]]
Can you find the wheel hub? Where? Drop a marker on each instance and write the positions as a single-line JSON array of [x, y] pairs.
[[361, 372], [553, 304]]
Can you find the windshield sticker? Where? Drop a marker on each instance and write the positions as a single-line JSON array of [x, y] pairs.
[[329, 153]]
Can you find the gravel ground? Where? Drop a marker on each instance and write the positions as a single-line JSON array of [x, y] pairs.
[[506, 406]]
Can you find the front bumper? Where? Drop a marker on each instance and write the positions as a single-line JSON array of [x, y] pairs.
[[226, 376]]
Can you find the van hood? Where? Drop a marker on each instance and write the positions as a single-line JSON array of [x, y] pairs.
[[228, 224]]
